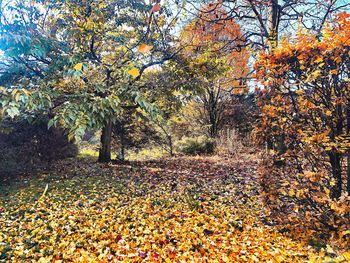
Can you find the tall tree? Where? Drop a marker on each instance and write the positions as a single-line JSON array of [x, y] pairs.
[[82, 59], [264, 21], [216, 54], [309, 80]]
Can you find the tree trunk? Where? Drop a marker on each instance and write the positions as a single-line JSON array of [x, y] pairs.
[[122, 152], [281, 145], [335, 160], [348, 173], [273, 23], [269, 144], [274, 10], [170, 141], [214, 114], [106, 139], [121, 130], [348, 154]]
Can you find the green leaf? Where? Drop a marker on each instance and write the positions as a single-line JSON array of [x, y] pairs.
[[13, 112], [51, 123]]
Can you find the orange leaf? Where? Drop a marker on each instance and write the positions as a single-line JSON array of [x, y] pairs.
[[202, 250], [155, 8], [144, 48], [133, 244]]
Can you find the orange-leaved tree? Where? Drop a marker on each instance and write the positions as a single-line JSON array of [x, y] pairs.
[[307, 100], [215, 49]]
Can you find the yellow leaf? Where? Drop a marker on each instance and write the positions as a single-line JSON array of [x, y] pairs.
[[316, 73], [347, 232], [144, 48], [78, 66], [346, 255], [225, 258], [327, 191], [2, 90], [16, 94], [318, 60], [279, 259], [291, 192], [134, 72], [330, 250]]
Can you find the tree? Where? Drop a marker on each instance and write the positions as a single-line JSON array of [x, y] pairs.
[[82, 58], [265, 21], [308, 97], [305, 100], [170, 87], [215, 51]]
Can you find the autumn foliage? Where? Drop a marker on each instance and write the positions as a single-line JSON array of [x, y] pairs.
[[217, 48], [305, 117], [129, 81]]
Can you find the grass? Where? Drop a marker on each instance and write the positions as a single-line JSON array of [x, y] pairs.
[[91, 154], [144, 154]]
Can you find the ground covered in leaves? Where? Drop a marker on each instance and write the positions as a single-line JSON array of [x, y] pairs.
[[173, 210]]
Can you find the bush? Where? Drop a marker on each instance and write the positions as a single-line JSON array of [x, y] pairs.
[[299, 201], [196, 145], [30, 146]]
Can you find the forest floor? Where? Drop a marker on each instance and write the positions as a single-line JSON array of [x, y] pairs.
[[186, 209]]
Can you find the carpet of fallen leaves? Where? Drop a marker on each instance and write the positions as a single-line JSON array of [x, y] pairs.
[[187, 209]]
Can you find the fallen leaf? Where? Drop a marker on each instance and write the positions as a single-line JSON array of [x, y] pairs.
[[134, 72]]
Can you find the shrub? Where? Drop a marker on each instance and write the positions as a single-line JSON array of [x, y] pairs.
[[29, 146], [196, 145], [299, 201]]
